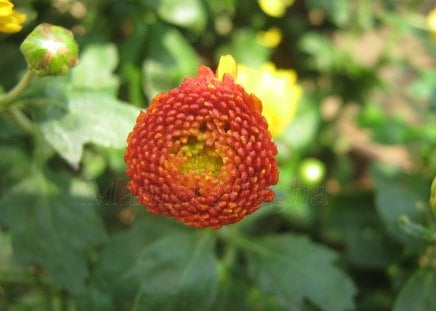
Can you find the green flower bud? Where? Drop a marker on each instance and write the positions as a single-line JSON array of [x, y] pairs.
[[50, 50], [433, 197], [312, 171]]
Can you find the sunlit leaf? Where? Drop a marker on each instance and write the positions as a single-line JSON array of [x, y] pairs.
[[94, 71], [189, 13], [86, 118]]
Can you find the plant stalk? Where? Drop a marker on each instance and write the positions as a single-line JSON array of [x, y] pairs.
[[9, 97]]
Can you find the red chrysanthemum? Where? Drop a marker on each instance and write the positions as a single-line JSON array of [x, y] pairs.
[[202, 152]]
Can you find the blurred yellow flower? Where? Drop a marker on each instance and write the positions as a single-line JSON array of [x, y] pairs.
[[275, 8], [270, 38], [431, 22], [10, 19], [277, 89]]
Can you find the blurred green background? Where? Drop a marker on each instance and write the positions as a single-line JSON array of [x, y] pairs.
[[351, 227]]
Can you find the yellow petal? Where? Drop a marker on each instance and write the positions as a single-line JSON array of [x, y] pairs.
[[277, 89], [12, 23], [275, 8], [10, 27], [227, 65], [5, 8], [19, 17], [431, 20], [270, 38]]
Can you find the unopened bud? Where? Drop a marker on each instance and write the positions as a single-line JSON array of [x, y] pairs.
[[50, 50]]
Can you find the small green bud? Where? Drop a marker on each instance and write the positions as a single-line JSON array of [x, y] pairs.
[[433, 197], [50, 50], [312, 171]]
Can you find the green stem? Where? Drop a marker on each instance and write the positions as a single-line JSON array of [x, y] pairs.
[[21, 120], [229, 255], [16, 115], [9, 97], [16, 278], [237, 239], [136, 300], [24, 278]]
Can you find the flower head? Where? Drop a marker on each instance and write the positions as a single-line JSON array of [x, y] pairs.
[[202, 152], [277, 89], [10, 19], [275, 8]]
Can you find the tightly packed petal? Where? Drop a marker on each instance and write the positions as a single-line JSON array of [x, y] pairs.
[[10, 20], [202, 152]]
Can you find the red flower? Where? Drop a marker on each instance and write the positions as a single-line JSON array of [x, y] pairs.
[[202, 152]]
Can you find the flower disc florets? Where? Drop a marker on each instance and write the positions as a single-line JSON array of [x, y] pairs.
[[202, 152]]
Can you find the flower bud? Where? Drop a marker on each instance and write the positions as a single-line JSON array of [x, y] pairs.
[[312, 171], [50, 50]]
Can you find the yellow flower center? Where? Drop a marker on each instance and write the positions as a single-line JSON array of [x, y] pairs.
[[201, 159]]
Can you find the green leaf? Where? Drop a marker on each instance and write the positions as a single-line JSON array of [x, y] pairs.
[[303, 129], [321, 51], [338, 11], [159, 265], [294, 269], [122, 250], [399, 195], [51, 226], [85, 118], [14, 164], [94, 71], [81, 108], [34, 299], [170, 59], [178, 272], [188, 13], [424, 87], [92, 298], [6, 258], [246, 49], [353, 220], [234, 293], [419, 293]]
